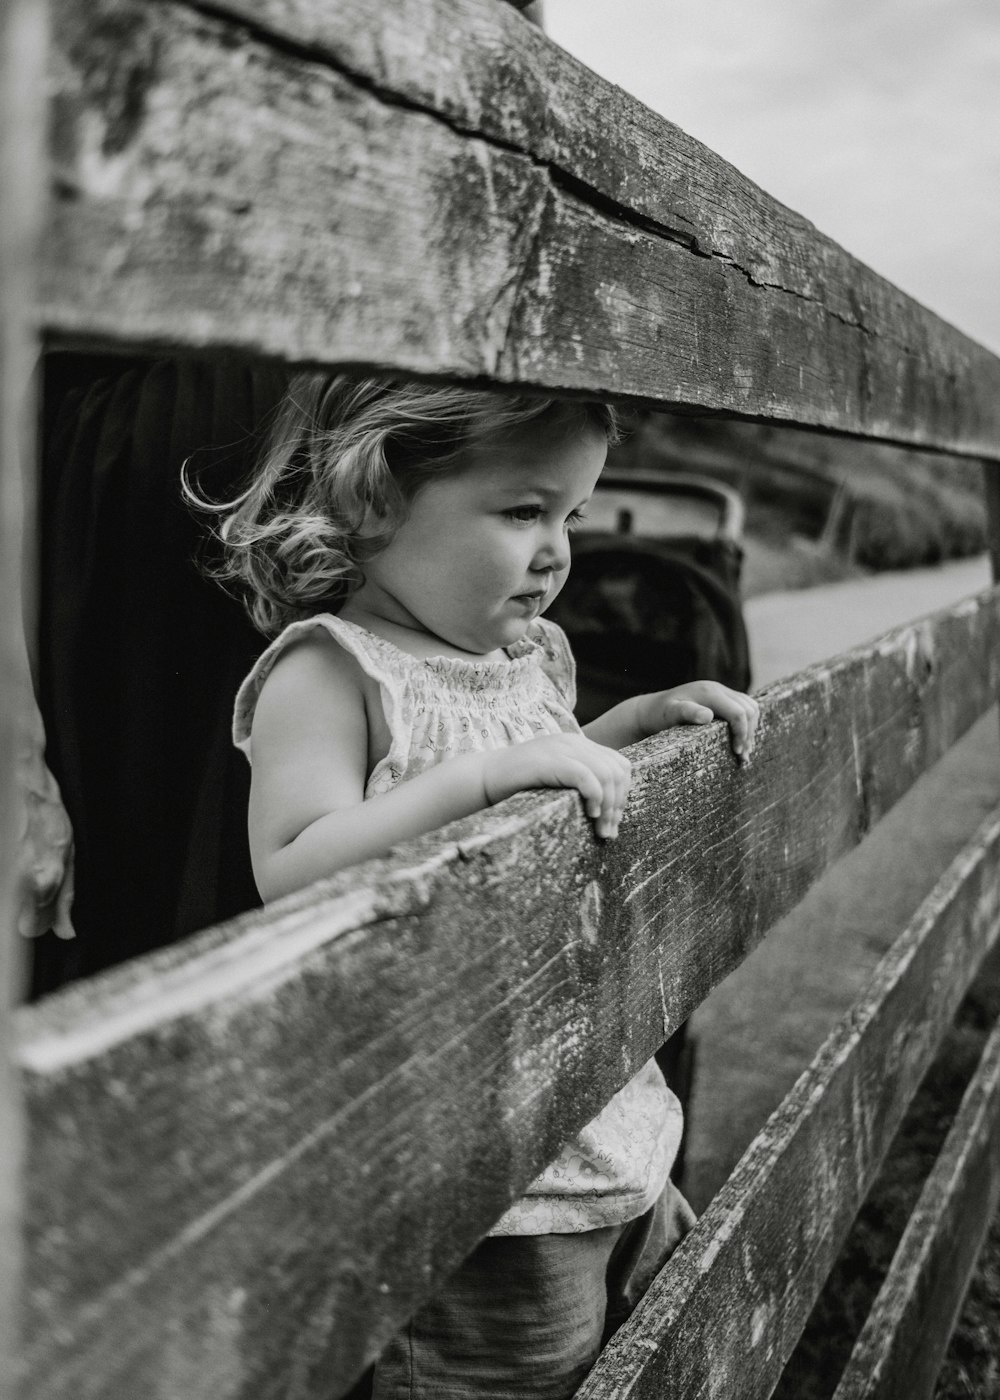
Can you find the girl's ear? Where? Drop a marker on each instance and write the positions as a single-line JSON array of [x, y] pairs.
[[375, 533], [373, 521]]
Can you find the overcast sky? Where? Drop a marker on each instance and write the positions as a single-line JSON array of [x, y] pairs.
[[879, 120]]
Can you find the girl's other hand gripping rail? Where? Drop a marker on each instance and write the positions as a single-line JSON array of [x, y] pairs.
[[696, 702]]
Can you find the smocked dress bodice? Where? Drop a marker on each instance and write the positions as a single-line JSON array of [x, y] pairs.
[[440, 706], [436, 708]]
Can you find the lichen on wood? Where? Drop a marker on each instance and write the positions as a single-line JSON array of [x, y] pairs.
[[441, 189]]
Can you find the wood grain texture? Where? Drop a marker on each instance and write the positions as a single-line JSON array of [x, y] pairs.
[[724, 1315], [434, 185], [22, 67], [312, 1113], [901, 1347]]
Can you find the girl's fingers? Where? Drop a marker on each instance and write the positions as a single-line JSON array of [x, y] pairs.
[[754, 717], [603, 782], [624, 783], [588, 785], [612, 798], [745, 728], [740, 712], [621, 781], [739, 727], [753, 714]]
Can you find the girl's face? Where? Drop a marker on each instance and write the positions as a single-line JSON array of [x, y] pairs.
[[485, 550]]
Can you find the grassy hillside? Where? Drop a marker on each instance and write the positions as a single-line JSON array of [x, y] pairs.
[[852, 504]]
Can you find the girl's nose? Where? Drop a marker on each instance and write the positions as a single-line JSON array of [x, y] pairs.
[[553, 555]]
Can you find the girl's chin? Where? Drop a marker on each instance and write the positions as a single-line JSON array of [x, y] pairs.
[[491, 635], [513, 629], [488, 646]]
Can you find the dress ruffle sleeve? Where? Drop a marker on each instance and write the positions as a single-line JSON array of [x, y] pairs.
[[557, 659]]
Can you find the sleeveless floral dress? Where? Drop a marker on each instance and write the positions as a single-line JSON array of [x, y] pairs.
[[437, 707]]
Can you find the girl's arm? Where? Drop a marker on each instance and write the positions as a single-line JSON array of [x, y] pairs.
[[698, 702], [309, 744]]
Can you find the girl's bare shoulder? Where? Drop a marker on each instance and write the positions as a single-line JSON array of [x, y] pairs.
[[312, 678]]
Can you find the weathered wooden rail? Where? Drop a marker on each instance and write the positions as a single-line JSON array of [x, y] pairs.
[[247, 1158]]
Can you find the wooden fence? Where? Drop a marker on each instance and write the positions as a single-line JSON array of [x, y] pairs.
[[239, 1163]]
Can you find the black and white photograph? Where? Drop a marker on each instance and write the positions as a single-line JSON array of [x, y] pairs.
[[500, 651]]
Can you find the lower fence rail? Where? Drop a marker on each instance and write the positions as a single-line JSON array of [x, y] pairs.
[[901, 1347], [724, 1315]]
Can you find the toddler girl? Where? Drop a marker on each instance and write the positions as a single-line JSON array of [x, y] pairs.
[[400, 543]]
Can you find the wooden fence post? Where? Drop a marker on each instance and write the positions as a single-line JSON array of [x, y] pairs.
[[23, 34]]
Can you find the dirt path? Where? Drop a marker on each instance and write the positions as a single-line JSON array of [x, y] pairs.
[[761, 1027], [791, 630]]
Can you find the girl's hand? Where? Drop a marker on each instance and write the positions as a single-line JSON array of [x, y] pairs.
[[699, 702], [600, 775]]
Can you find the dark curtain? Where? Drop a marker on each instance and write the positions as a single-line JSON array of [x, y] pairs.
[[139, 654]]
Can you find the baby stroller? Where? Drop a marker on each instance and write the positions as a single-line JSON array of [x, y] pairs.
[[653, 600]]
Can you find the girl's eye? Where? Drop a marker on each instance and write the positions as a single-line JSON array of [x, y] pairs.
[[527, 515]]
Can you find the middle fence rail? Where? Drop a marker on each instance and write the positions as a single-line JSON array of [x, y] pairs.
[[323, 1106]]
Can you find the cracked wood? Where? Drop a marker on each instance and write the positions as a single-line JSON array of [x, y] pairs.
[[314, 1112], [434, 185]]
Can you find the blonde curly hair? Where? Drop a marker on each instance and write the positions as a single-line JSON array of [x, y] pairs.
[[343, 461]]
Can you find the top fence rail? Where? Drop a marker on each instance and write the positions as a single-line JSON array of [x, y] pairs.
[[434, 185]]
